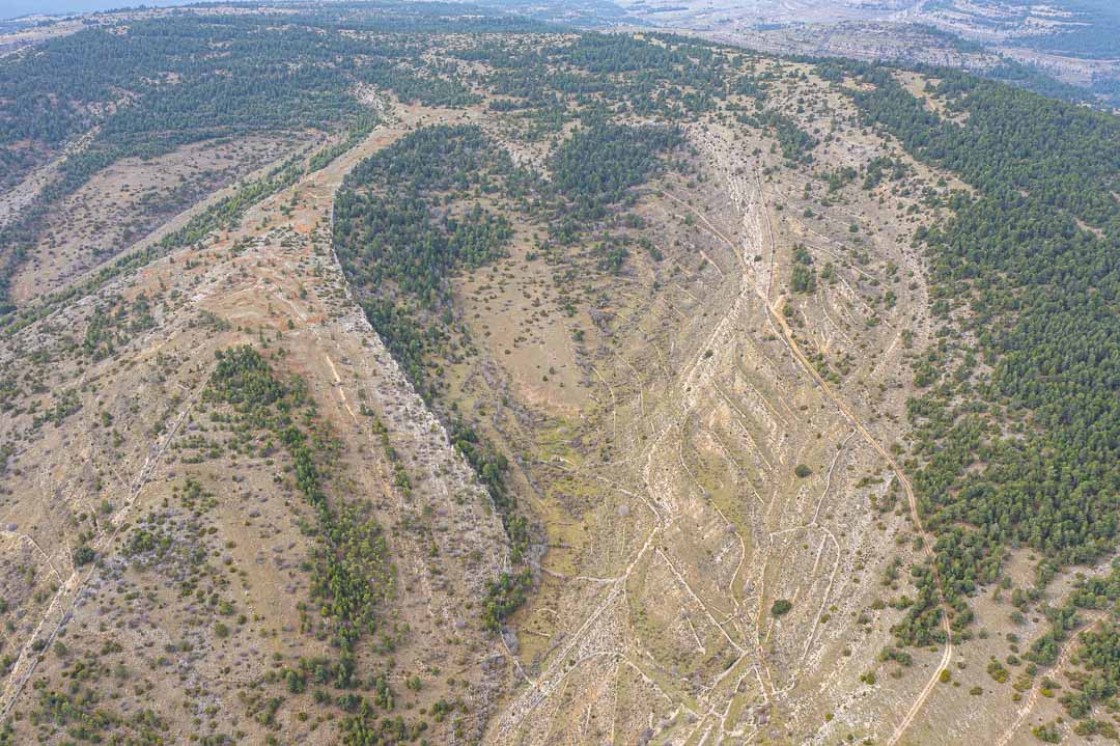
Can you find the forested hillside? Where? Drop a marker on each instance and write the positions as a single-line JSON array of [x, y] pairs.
[[382, 373], [1025, 277]]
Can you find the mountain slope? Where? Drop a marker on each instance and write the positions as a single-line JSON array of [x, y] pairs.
[[506, 384]]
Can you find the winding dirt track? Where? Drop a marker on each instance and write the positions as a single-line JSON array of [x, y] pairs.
[[911, 498], [778, 321], [1059, 664]]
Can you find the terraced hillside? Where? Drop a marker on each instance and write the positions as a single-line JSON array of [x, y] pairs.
[[392, 374]]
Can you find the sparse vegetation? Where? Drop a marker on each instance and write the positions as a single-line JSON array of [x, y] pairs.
[[653, 356]]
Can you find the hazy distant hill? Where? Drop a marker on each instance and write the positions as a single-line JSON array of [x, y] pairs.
[[1076, 42], [17, 8]]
